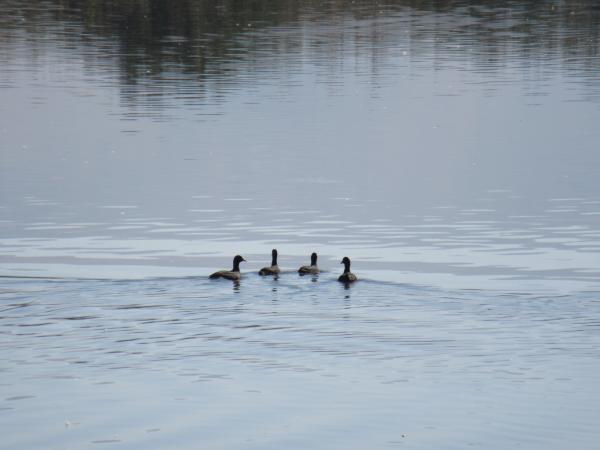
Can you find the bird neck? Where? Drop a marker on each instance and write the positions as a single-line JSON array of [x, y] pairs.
[[236, 266], [274, 260], [346, 267]]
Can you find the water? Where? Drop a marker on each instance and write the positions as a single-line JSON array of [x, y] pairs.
[[295, 362], [450, 150]]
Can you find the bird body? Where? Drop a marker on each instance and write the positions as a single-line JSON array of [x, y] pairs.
[[274, 269], [347, 276], [312, 269], [233, 274]]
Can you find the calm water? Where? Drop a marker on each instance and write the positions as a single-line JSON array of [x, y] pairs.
[[450, 149]]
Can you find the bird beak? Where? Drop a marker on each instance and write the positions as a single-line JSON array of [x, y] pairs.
[[244, 260], [341, 262]]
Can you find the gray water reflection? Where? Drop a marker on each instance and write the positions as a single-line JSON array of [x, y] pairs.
[[203, 49], [393, 360]]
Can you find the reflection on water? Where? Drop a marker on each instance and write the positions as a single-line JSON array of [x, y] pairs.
[[195, 55], [211, 46]]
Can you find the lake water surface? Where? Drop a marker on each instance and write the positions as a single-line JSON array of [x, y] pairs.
[[450, 148]]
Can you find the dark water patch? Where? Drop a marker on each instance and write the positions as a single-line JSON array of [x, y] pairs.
[[39, 324], [77, 318], [19, 397]]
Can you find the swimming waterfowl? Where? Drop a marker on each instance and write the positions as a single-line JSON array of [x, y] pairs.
[[312, 269], [347, 276], [274, 269], [233, 274]]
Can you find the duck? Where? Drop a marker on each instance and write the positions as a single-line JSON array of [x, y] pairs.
[[347, 276], [274, 269], [233, 274], [312, 269]]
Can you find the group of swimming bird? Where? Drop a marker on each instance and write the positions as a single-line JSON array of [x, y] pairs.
[[313, 269]]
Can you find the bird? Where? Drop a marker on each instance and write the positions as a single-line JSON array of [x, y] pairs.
[[233, 274], [312, 269], [347, 276], [274, 269]]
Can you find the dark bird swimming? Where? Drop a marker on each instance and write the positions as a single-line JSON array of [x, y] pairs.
[[274, 269], [312, 269], [347, 276], [233, 274]]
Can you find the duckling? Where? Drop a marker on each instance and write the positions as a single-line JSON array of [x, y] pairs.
[[347, 276], [233, 274], [312, 269], [274, 269]]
